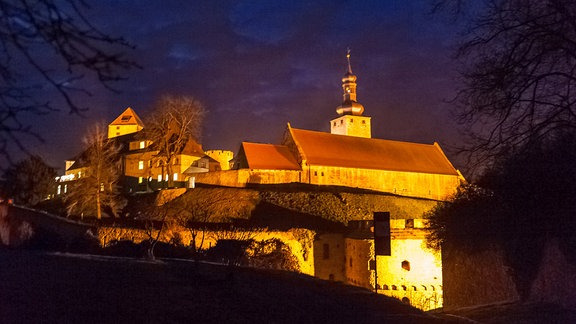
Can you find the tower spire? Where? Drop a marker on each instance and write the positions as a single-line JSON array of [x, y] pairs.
[[349, 105], [348, 59]]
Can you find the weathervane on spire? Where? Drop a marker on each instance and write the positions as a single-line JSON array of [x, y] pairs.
[[348, 50]]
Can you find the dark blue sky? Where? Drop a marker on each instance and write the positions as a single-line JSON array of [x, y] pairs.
[[257, 65]]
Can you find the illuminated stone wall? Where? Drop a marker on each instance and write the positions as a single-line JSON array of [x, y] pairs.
[[410, 184], [411, 273], [222, 156], [300, 241], [329, 257]]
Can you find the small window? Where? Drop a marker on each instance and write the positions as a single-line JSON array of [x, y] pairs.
[[159, 178], [363, 122], [409, 223], [140, 165], [140, 179], [175, 161], [403, 287], [142, 144], [101, 187], [79, 174], [117, 127], [351, 120], [341, 121], [322, 173], [385, 287], [166, 177], [175, 177], [331, 277], [315, 173], [334, 123], [326, 251], [59, 190], [406, 265], [394, 287], [65, 188], [126, 118]]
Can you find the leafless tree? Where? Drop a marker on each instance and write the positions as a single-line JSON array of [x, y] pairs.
[[98, 185], [29, 181], [519, 73], [157, 219], [174, 123], [49, 46]]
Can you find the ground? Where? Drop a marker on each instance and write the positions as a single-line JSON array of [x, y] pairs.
[[37, 287]]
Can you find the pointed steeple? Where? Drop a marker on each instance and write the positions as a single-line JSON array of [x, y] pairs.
[[349, 105]]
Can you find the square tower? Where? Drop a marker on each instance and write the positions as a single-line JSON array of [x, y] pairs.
[[351, 125]]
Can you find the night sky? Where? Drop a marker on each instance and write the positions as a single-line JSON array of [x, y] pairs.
[[257, 65]]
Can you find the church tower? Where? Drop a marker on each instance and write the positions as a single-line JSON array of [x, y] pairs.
[[351, 122]]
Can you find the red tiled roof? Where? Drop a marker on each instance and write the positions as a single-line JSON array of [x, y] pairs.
[[269, 156], [368, 153]]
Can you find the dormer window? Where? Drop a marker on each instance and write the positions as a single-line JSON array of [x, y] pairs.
[[126, 118]]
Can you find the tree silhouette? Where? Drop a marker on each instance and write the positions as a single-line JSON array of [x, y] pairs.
[[174, 123], [29, 181], [98, 186], [519, 73], [49, 46]]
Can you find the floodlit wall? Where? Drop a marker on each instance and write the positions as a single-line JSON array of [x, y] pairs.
[[410, 184], [329, 257], [411, 273], [223, 157], [300, 241]]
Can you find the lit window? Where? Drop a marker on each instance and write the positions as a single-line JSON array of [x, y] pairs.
[[140, 179], [101, 187], [175, 176], [166, 177], [142, 144], [59, 190], [159, 177], [79, 174], [140, 165], [65, 188]]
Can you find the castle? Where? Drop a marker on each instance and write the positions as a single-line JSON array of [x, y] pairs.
[[349, 157]]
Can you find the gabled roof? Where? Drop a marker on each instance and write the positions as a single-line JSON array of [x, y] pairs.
[[128, 117], [328, 149], [269, 157]]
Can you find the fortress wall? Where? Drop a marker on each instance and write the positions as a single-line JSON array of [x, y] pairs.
[[412, 271], [330, 257], [300, 241], [423, 185], [476, 279]]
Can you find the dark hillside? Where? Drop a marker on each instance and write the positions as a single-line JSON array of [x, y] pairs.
[[288, 206], [41, 288]]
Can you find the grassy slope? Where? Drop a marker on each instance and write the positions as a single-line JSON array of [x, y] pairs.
[[332, 204], [62, 289]]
